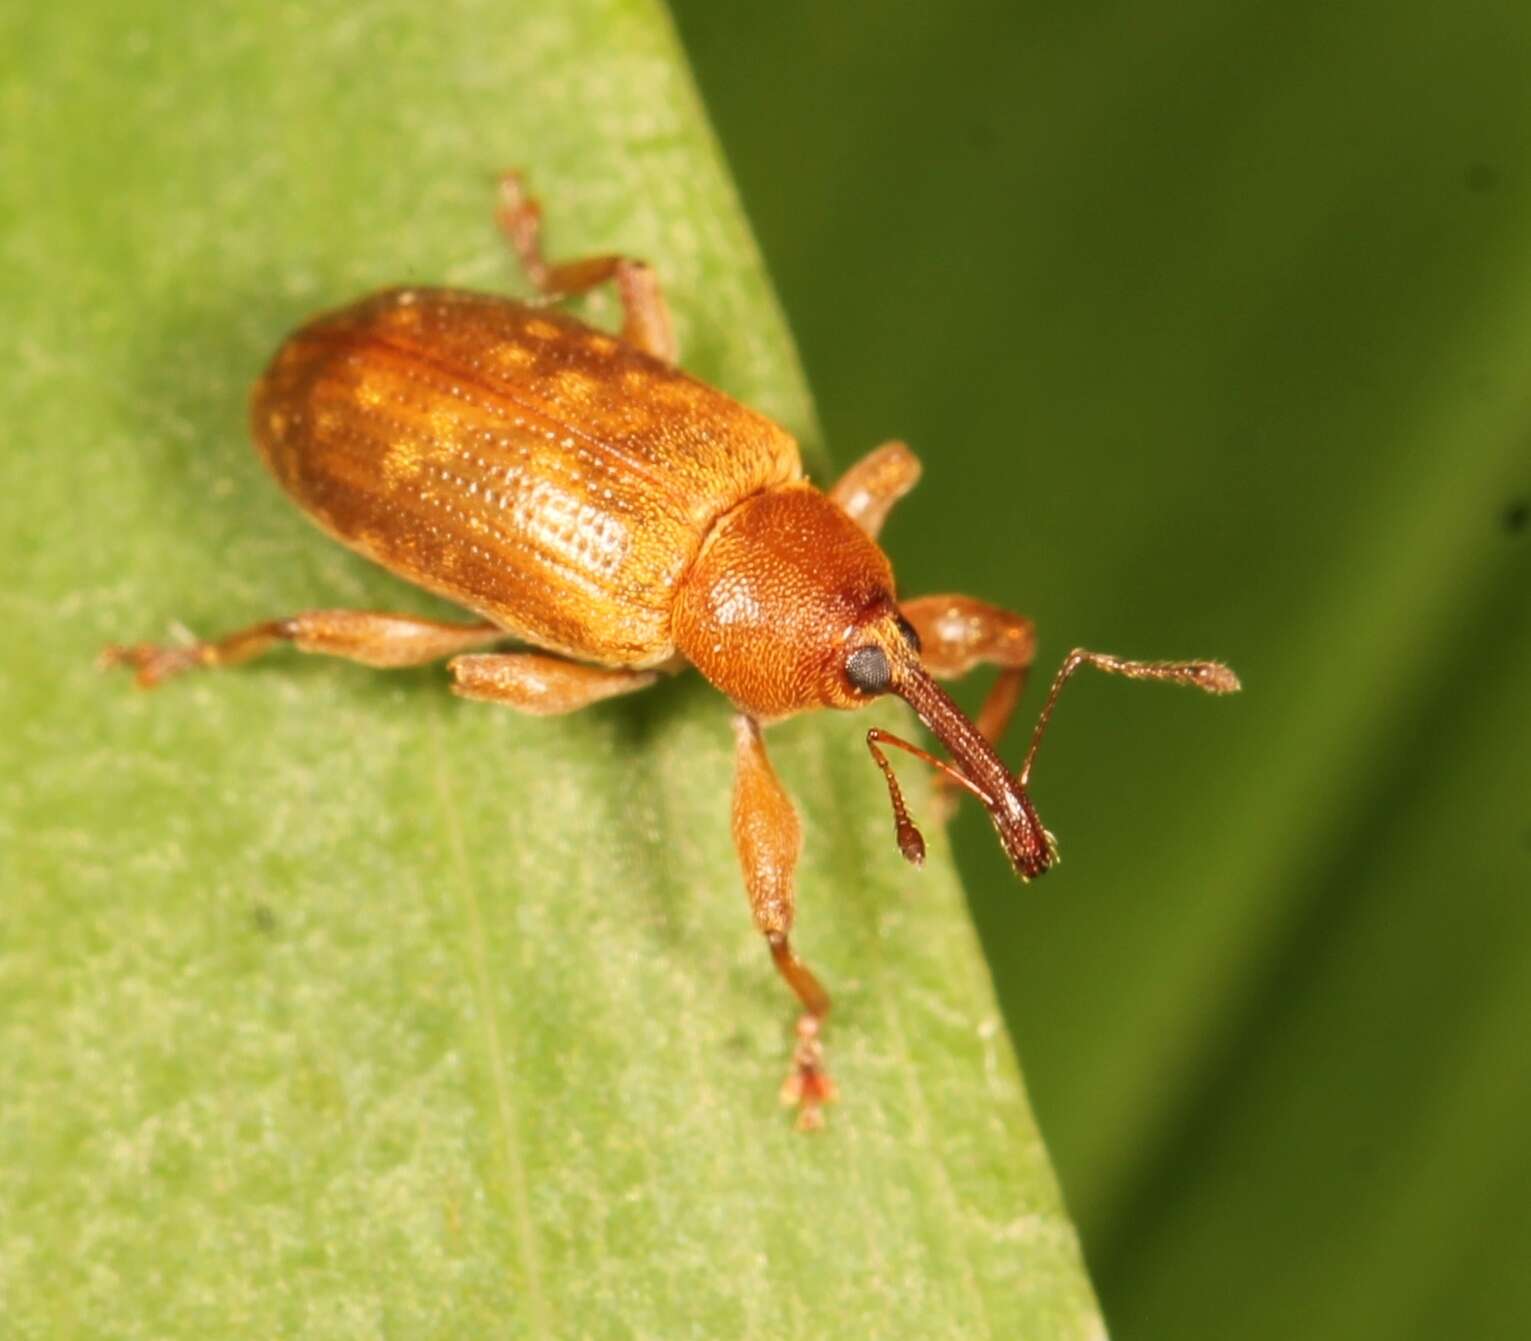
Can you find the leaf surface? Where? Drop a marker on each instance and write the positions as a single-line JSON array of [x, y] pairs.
[[332, 1005], [1212, 325]]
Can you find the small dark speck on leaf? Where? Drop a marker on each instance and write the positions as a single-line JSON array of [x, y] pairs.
[[1481, 178], [1516, 515], [263, 919]]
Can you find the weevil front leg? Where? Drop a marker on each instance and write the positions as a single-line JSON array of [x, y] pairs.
[[367, 636], [769, 838], [645, 314], [539, 684], [956, 634], [870, 488]]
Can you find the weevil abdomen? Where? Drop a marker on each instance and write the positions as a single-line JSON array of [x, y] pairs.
[[512, 459]]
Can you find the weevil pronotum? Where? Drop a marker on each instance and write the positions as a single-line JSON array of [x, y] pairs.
[[581, 494]]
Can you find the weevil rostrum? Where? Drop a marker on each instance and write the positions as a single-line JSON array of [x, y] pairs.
[[583, 496]]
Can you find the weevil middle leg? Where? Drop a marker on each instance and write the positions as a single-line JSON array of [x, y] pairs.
[[645, 314], [769, 838], [539, 684]]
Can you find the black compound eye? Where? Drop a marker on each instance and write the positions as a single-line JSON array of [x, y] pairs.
[[867, 668]]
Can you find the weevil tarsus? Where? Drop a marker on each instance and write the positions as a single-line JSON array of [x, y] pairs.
[[808, 1087]]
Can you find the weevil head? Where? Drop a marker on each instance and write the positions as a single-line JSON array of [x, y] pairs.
[[790, 606], [785, 589]]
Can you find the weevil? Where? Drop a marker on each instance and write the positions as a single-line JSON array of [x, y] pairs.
[[583, 496]]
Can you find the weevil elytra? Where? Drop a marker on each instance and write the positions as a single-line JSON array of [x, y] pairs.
[[581, 494]]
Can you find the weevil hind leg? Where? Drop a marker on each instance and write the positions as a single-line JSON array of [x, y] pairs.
[[540, 684], [645, 314], [768, 838], [870, 488], [956, 634], [366, 636]]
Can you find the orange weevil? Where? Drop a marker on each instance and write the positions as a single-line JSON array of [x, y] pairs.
[[581, 494]]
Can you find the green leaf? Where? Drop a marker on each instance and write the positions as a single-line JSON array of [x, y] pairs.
[[1212, 324], [331, 1005]]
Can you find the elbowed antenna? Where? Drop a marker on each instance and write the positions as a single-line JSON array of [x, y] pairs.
[[979, 769]]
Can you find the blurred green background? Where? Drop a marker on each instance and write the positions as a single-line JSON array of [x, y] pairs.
[[1213, 327], [331, 1005], [1269, 266]]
